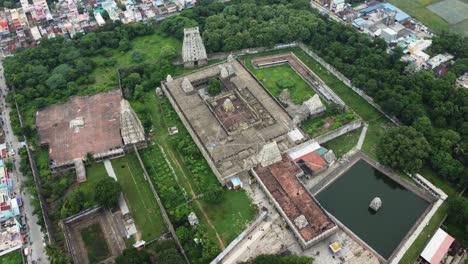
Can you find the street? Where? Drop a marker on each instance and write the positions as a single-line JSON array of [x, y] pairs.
[[34, 238]]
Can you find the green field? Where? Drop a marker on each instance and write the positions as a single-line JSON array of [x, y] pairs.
[[95, 243], [418, 245], [418, 9], [94, 173], [141, 201], [106, 75], [343, 144], [278, 78], [11, 258]]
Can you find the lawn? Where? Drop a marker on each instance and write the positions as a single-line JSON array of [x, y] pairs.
[[231, 216], [11, 258], [94, 173], [416, 248], [141, 201], [150, 48], [278, 78], [343, 144], [95, 243]]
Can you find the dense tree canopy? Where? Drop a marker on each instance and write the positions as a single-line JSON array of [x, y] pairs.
[[133, 256], [107, 192], [273, 259], [403, 148]]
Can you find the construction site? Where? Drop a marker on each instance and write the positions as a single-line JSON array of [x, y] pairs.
[[102, 125]]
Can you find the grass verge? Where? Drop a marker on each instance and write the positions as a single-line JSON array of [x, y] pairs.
[[141, 201]]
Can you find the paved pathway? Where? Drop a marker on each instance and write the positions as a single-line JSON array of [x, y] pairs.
[[110, 169], [362, 136]]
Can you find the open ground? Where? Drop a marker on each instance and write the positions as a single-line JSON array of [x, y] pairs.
[[437, 14]]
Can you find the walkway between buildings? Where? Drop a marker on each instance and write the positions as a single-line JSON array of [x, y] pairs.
[[362, 137], [110, 169]]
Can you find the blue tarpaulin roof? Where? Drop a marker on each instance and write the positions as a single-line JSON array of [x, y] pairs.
[[370, 9], [400, 16], [358, 22], [236, 181]]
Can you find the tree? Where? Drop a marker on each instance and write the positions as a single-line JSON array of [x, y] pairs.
[[133, 256], [183, 234], [57, 255], [214, 194], [403, 148], [107, 192], [170, 256], [169, 53], [214, 86], [89, 158], [266, 259], [274, 259], [56, 81], [73, 204], [137, 56], [9, 165]]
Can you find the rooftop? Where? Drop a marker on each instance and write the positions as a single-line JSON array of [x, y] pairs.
[[309, 219], [99, 124], [231, 137]]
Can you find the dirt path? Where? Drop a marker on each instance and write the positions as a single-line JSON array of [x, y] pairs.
[[194, 197]]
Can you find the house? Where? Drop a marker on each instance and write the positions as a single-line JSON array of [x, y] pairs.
[[462, 81], [437, 248], [337, 5], [439, 59], [4, 30]]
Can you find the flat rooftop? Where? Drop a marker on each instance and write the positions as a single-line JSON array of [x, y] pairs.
[[295, 201], [81, 125], [232, 139]]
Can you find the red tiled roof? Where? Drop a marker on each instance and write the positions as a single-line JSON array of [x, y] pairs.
[[281, 181], [313, 160]]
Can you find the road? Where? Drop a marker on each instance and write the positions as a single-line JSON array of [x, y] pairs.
[[34, 238]]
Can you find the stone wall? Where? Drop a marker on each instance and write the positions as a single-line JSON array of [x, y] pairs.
[[339, 131], [224, 55], [239, 238]]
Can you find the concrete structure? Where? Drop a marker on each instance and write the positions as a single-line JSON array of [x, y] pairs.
[[375, 204], [11, 238], [230, 138], [439, 59], [193, 219], [103, 124], [193, 50], [462, 81], [304, 215], [314, 106]]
